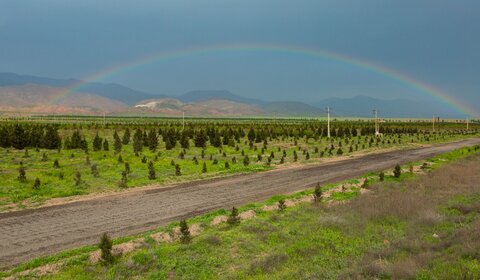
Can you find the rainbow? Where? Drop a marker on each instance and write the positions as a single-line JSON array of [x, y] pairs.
[[389, 73]]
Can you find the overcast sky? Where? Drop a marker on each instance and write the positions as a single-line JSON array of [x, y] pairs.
[[434, 41]]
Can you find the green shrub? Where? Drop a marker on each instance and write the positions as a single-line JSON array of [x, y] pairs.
[[317, 193], [106, 244], [185, 236], [233, 219], [397, 171]]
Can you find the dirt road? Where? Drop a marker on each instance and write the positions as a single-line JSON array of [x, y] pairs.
[[32, 233]]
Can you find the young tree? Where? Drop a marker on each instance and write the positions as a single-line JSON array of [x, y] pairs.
[[185, 232], [36, 184], [105, 145], [94, 170], [56, 164], [123, 182], [178, 171], [51, 139], [317, 193], [18, 137], [204, 168], [126, 137], [97, 143], [151, 171], [233, 219], [117, 143], [365, 183], [381, 176], [153, 140], [127, 168], [5, 136], [137, 141], [397, 171], [281, 205], [78, 178], [259, 157], [185, 141], [105, 246], [200, 139], [22, 173], [251, 135], [246, 161]]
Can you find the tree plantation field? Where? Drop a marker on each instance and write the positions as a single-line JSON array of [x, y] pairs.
[[47, 158]]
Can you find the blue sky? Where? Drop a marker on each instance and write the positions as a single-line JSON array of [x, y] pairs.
[[434, 41]]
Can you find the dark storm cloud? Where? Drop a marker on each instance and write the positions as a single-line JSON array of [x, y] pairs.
[[435, 41]]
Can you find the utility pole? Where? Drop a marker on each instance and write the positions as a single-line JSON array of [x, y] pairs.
[[183, 121], [328, 121], [433, 123], [377, 127]]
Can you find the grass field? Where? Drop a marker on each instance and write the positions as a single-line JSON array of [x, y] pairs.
[[423, 227], [278, 151]]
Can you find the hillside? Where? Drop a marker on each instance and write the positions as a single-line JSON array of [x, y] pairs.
[[47, 99], [211, 107], [112, 91], [292, 108], [33, 94], [205, 95]]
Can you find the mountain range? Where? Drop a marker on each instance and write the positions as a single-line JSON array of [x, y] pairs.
[[31, 94]]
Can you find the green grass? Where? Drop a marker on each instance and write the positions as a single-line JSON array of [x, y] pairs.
[[256, 249], [271, 245]]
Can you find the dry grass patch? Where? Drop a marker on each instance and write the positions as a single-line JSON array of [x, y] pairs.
[[430, 230]]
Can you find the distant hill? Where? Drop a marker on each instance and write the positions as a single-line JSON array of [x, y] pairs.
[[31, 93], [12, 79], [362, 106], [112, 91], [205, 95], [286, 108], [47, 99], [291, 108], [211, 107]]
